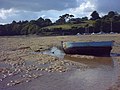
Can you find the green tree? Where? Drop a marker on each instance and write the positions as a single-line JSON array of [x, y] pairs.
[[16, 29], [47, 22], [40, 22], [84, 18], [111, 14], [95, 15], [61, 20], [64, 19]]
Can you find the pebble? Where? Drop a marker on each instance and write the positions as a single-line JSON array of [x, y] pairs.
[[11, 81], [37, 69], [26, 72], [4, 76], [28, 80], [1, 80], [10, 74], [9, 84]]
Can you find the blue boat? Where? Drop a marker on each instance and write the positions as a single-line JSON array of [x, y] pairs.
[[99, 48]]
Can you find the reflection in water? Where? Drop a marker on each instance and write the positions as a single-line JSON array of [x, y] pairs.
[[93, 79], [100, 74], [103, 75], [90, 60]]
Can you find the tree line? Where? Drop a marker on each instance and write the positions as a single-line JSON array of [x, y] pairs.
[[107, 23]]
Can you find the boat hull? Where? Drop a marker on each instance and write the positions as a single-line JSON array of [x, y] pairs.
[[96, 50]]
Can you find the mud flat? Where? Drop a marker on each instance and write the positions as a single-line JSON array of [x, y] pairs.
[[22, 69]]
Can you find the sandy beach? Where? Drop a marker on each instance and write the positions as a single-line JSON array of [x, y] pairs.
[[23, 67]]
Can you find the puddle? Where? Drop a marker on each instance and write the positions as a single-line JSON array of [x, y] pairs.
[[90, 61], [54, 51], [94, 79], [102, 71], [92, 73]]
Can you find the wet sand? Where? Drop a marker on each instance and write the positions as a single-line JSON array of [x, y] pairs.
[[21, 69]]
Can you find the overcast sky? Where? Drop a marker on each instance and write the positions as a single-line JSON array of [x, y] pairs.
[[33, 9]]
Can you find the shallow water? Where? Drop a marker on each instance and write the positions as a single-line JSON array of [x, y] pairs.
[[94, 73], [54, 51]]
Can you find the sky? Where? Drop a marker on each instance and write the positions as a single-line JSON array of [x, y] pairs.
[[33, 9]]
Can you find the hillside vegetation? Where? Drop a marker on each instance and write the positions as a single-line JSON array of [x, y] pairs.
[[65, 25], [71, 25]]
